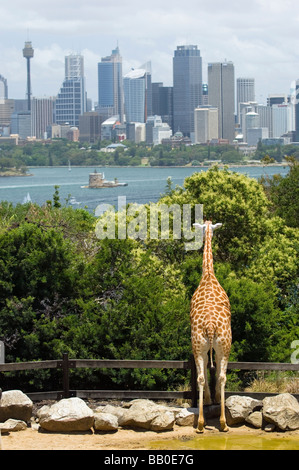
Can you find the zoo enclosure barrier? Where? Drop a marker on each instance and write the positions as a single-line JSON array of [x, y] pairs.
[[66, 364]]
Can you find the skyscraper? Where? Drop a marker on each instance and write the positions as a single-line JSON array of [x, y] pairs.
[[187, 87], [71, 100], [110, 86], [41, 116], [135, 95], [221, 84], [245, 92]]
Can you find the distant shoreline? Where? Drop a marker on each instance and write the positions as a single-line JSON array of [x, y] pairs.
[[221, 165], [7, 174]]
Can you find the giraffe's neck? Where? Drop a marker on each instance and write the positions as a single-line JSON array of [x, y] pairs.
[[207, 264]]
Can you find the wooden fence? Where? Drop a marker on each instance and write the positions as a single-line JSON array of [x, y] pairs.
[[66, 364]]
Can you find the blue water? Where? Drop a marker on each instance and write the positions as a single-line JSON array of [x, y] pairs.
[[144, 184]]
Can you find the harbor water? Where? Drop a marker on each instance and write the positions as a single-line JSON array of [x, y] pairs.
[[144, 185]]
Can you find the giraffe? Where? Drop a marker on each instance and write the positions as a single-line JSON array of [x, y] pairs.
[[210, 328]]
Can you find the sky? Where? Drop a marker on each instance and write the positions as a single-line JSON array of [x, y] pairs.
[[260, 37]]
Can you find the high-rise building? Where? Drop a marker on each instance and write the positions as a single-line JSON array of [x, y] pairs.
[[221, 84], [110, 86], [71, 100], [245, 92], [187, 87], [41, 116], [90, 128], [135, 95], [162, 97], [206, 124]]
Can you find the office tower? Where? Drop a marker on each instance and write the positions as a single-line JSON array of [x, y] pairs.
[[205, 124], [21, 124], [90, 128], [245, 92], [41, 116], [148, 92], [135, 95], [282, 121], [222, 95], [187, 87], [28, 53], [6, 110], [71, 100], [277, 99], [162, 98], [110, 86], [265, 117]]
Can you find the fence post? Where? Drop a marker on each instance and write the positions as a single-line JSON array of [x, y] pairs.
[[193, 382], [65, 375]]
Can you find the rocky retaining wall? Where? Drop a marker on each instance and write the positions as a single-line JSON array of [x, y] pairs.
[[280, 412]]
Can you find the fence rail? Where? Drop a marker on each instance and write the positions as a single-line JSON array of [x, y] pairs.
[[66, 364]]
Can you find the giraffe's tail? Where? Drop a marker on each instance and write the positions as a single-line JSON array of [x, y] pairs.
[[211, 333]]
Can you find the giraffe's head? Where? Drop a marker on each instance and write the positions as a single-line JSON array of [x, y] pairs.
[[207, 227]]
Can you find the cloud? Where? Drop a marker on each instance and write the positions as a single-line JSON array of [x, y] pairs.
[[260, 37]]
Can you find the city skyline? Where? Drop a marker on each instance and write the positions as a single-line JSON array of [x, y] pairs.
[[261, 41]]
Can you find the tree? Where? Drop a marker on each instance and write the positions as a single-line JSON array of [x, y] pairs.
[[233, 199]]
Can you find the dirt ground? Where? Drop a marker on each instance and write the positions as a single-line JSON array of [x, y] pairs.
[[34, 438], [127, 439]]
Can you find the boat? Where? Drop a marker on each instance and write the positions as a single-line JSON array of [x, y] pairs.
[[73, 201], [98, 181], [27, 199]]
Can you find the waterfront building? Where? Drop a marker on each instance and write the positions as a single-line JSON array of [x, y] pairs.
[[110, 87], [187, 87], [71, 100], [221, 84]]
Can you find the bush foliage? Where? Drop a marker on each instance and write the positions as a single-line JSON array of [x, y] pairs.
[[65, 290]]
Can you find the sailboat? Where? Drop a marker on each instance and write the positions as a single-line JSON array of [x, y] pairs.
[[70, 166], [27, 199]]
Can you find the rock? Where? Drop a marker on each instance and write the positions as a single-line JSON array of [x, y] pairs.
[[270, 427], [255, 419], [185, 418], [12, 425], [105, 422], [163, 422], [282, 410], [114, 410], [146, 414], [67, 415], [16, 405], [237, 408]]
